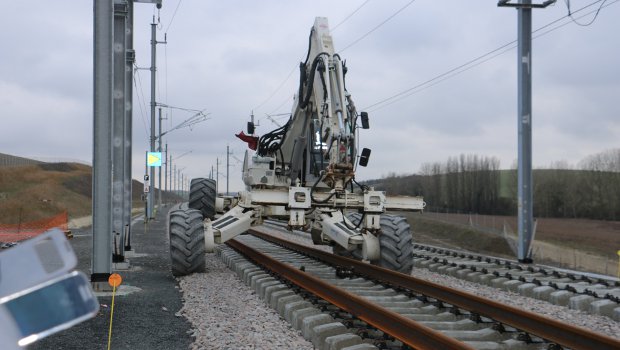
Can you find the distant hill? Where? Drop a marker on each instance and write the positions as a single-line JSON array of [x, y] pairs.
[[7, 160], [36, 190]]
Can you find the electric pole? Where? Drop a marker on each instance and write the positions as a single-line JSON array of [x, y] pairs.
[[171, 174], [179, 182], [118, 128], [130, 58], [166, 170], [227, 167], [103, 74], [524, 61], [154, 42], [149, 199], [159, 170], [524, 121]]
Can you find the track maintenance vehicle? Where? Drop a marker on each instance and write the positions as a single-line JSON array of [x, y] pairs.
[[304, 173]]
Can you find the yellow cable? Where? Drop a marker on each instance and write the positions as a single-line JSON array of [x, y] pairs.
[[111, 314]]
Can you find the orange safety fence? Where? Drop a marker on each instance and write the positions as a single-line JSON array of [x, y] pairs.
[[25, 230]]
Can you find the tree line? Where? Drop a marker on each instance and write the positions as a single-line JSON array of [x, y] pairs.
[[476, 184], [591, 190]]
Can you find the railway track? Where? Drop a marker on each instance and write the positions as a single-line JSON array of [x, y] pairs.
[[591, 293], [594, 294], [340, 303]]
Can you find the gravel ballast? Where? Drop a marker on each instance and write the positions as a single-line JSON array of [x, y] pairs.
[[226, 314], [217, 311], [600, 324]]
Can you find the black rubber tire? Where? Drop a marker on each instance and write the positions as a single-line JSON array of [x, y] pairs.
[[396, 243], [202, 196], [187, 243]]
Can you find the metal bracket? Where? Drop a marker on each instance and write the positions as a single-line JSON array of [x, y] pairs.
[[130, 56], [120, 8], [233, 223], [374, 202], [507, 3], [334, 228], [298, 200]]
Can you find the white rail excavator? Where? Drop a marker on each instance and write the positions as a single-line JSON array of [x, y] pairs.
[[304, 173]]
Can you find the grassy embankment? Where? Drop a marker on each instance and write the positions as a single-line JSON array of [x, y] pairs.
[[34, 192], [427, 231], [589, 245]]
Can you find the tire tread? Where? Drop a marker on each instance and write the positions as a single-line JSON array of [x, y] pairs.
[[187, 247], [395, 240], [202, 194]]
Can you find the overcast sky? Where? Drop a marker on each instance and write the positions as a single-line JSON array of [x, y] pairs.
[[230, 57]]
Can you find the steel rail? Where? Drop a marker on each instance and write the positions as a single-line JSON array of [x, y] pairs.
[[544, 327], [409, 332]]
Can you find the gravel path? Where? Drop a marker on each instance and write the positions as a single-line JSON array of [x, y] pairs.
[[226, 314]]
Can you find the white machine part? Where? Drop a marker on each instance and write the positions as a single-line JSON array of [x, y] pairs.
[[304, 171]]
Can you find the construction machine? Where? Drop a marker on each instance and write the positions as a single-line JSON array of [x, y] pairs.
[[302, 173]]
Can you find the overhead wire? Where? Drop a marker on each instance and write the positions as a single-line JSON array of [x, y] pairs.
[[158, 82], [160, 26], [140, 101], [289, 98], [570, 14], [166, 61], [169, 116], [404, 92], [180, 108], [157, 71], [605, 4], [296, 66], [476, 61], [280, 115], [173, 15], [434, 81], [377, 26], [349, 16]]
